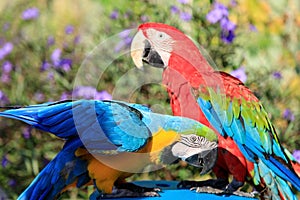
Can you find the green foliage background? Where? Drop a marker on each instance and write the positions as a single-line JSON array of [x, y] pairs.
[[272, 47]]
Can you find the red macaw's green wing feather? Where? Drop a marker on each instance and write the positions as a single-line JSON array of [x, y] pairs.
[[238, 114]]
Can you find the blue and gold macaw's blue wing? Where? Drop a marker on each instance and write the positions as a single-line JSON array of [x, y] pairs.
[[110, 128], [116, 126], [64, 170]]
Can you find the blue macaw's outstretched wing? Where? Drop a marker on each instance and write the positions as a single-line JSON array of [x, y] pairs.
[[100, 126], [114, 125], [63, 170]]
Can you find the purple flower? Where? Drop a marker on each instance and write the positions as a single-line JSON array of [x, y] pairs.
[[103, 95], [89, 92], [144, 18], [6, 49], [64, 96], [233, 3], [124, 34], [227, 25], [65, 64], [227, 32], [252, 28], [126, 40], [39, 97], [55, 57], [296, 155], [3, 99], [227, 36], [288, 115], [30, 13], [86, 92], [114, 14], [240, 74], [183, 1], [5, 78], [12, 183], [45, 66], [6, 67], [119, 46], [217, 13], [50, 41], [5, 26], [4, 161], [69, 29], [277, 75], [185, 16], [174, 9], [27, 132], [50, 75], [76, 39]]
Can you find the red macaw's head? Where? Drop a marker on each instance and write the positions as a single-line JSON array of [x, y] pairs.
[[163, 46]]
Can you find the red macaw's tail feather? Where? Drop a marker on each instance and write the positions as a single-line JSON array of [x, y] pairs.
[[296, 167]]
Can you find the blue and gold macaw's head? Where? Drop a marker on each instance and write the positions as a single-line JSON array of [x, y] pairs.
[[182, 138], [197, 151]]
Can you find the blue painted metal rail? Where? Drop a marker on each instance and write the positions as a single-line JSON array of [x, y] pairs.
[[170, 192]]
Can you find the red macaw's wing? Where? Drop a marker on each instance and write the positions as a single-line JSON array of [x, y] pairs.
[[238, 114]]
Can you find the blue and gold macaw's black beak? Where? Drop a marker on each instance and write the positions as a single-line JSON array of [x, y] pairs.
[[197, 151], [204, 160], [143, 52]]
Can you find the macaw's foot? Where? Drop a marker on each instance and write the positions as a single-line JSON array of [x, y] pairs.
[[207, 189], [135, 188], [233, 186], [215, 183], [131, 190]]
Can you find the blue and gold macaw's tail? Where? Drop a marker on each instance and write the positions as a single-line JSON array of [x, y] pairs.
[[64, 170]]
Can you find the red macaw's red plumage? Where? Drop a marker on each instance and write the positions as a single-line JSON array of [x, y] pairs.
[[249, 148]]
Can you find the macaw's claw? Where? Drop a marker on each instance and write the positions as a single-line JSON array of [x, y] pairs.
[[131, 190], [119, 193], [233, 186], [136, 188], [207, 189], [215, 183]]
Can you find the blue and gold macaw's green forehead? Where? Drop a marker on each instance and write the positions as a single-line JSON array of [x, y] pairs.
[[182, 125]]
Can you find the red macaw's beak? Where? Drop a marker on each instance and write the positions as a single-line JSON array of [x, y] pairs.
[[143, 52]]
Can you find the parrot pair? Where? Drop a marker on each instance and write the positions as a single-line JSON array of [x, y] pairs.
[[102, 136], [248, 148]]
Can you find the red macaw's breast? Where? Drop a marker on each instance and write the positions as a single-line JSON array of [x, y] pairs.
[[183, 103]]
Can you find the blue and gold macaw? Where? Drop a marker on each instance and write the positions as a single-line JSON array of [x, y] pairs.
[[107, 141]]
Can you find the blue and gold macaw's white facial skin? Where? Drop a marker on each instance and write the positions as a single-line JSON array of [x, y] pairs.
[[196, 151]]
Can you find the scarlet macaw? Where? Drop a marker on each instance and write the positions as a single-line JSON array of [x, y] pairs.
[[249, 148], [102, 136]]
